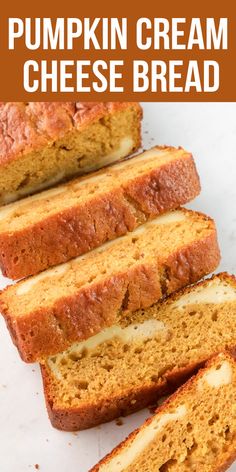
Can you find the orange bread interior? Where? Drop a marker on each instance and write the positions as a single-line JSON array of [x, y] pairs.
[[144, 351], [195, 430]]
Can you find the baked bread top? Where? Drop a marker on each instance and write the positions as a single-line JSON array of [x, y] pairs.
[[27, 126], [45, 143]]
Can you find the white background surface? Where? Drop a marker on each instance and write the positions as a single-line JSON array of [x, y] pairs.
[[26, 436]]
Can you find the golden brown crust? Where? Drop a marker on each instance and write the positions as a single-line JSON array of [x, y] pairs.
[[184, 388], [47, 331], [191, 264], [227, 464], [83, 314], [27, 126], [90, 415], [77, 230]]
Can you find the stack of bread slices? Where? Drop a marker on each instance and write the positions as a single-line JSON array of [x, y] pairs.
[[107, 299]]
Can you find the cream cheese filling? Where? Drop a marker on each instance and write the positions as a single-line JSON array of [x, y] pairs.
[[145, 436], [215, 292], [218, 377]]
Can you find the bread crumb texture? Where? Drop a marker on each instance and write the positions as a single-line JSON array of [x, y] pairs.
[[194, 430], [146, 354]]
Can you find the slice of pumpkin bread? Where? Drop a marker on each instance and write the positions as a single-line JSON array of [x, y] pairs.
[[67, 221], [146, 355], [194, 430], [46, 313]]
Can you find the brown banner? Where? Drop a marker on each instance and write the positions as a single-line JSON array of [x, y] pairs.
[[182, 51]]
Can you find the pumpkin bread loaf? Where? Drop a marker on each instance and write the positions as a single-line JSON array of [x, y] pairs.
[[43, 143]]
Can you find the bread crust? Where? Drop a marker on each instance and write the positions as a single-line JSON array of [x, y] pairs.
[[227, 464], [28, 126], [47, 331], [90, 415], [184, 388], [75, 231]]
